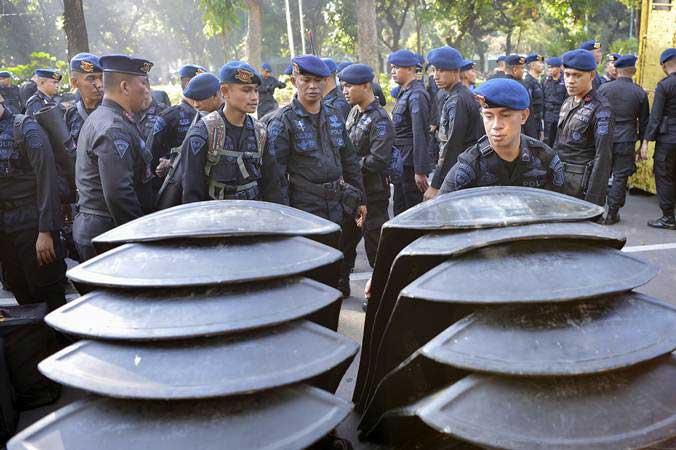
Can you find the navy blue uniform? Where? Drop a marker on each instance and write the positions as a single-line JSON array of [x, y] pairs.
[[75, 118], [12, 98], [554, 95], [537, 166], [336, 100], [411, 118], [148, 118], [266, 95], [170, 129], [29, 204], [533, 126], [315, 156], [37, 102]]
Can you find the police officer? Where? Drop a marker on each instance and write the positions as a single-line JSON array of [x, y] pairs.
[[629, 104], [86, 75], [317, 161], [27, 89], [266, 91], [204, 93], [594, 47], [505, 156], [372, 134], [611, 72], [468, 75], [113, 169], [535, 66], [188, 72], [554, 90], [333, 95], [499, 71], [10, 93], [584, 138], [30, 215], [148, 117], [225, 155], [47, 83], [460, 120], [411, 123], [662, 129]]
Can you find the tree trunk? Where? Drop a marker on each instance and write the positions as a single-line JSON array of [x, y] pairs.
[[367, 40], [508, 43], [75, 27], [253, 36]]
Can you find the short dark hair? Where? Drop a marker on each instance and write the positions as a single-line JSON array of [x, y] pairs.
[[112, 80]]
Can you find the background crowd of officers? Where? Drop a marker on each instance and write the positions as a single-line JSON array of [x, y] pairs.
[[333, 151]]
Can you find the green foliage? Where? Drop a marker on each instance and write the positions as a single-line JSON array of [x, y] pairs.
[[40, 60], [220, 16]]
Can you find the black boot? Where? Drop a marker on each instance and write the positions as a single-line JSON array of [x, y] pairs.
[[344, 285], [664, 222], [612, 217]]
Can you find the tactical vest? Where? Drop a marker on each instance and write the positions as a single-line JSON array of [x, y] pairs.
[[232, 174], [11, 144]]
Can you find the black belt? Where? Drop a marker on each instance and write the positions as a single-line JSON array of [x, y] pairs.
[[6, 205], [329, 191], [574, 168]]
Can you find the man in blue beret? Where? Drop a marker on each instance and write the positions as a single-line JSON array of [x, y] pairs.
[[499, 71], [594, 47], [662, 129], [611, 73], [411, 118], [204, 92], [377, 89], [629, 104], [113, 169], [9, 94], [31, 253], [534, 67], [505, 156], [584, 138], [468, 75], [47, 83], [266, 91], [86, 75], [189, 71], [225, 152], [333, 94], [554, 92], [372, 134], [459, 119]]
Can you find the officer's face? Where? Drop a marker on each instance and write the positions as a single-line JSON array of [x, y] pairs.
[[577, 82], [597, 55], [355, 93], [517, 71], [445, 79], [554, 71], [265, 73], [5, 82], [402, 75], [538, 66], [90, 85], [309, 87], [503, 126], [241, 97], [49, 86], [611, 70], [137, 89], [470, 76], [210, 104]]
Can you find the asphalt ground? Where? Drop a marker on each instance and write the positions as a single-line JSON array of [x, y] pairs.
[[656, 246]]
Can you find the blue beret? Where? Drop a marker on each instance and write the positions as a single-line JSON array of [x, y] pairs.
[[85, 63], [5, 74], [239, 72], [202, 86], [288, 70], [310, 65], [502, 58], [515, 60], [403, 58], [554, 61], [503, 93], [534, 57], [125, 64], [590, 45], [667, 55], [343, 65], [579, 59], [190, 70], [446, 58], [626, 61], [356, 74], [467, 65], [266, 66], [613, 56], [49, 73], [331, 64], [421, 60]]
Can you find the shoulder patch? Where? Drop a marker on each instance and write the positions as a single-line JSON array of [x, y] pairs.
[[159, 125], [196, 144], [556, 167], [463, 175], [381, 130], [121, 146], [415, 104]]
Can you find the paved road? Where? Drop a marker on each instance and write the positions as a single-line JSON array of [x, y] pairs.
[[656, 246]]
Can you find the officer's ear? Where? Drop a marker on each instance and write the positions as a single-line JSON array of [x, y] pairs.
[[73, 80], [224, 90], [525, 113]]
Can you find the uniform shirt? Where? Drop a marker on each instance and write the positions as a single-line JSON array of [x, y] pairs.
[[170, 129], [37, 102], [318, 154], [336, 100], [536, 166], [411, 118], [26, 91], [585, 134], [75, 118], [597, 81], [554, 95], [629, 104], [148, 118], [227, 170], [459, 128], [662, 123], [536, 105], [112, 170], [435, 108], [266, 94], [160, 97], [372, 134], [497, 74], [12, 98], [27, 176]]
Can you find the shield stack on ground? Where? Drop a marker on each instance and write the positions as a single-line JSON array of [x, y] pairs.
[[205, 326], [505, 318]]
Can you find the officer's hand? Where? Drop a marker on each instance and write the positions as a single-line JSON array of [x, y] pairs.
[[163, 167], [542, 135], [44, 248], [433, 128], [421, 182], [430, 193], [643, 155], [361, 215]]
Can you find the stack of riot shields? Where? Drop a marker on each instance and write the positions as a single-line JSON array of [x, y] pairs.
[[506, 318], [205, 326]]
